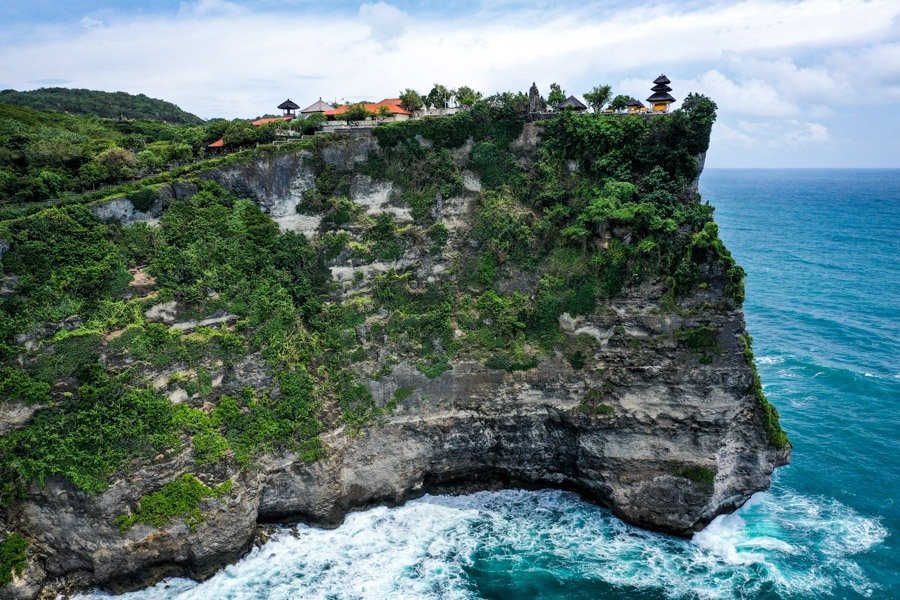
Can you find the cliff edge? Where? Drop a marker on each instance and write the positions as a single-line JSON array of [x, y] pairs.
[[448, 304]]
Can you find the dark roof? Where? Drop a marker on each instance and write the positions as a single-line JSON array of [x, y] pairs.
[[661, 87], [661, 97], [287, 104], [662, 79], [634, 102], [572, 102], [318, 106]]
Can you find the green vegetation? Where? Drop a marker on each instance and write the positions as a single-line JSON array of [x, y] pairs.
[[598, 97], [55, 155], [111, 105], [601, 205], [556, 94], [769, 414], [178, 499], [701, 340], [697, 474], [12, 557], [593, 404]]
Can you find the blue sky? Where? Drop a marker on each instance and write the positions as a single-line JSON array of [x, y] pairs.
[[809, 83]]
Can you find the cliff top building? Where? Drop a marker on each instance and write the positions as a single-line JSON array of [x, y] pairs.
[[316, 107], [661, 98], [288, 107], [573, 103]]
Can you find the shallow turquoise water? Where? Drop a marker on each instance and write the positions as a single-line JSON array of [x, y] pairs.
[[822, 252]]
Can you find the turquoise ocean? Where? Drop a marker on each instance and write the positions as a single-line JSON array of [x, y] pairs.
[[822, 253]]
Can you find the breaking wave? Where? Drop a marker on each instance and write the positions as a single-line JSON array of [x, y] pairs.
[[548, 544]]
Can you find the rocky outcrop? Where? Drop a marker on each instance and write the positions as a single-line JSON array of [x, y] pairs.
[[665, 436], [470, 428]]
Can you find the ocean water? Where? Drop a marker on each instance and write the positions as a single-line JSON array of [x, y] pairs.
[[822, 252]]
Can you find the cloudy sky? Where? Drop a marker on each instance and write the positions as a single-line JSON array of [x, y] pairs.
[[810, 83]]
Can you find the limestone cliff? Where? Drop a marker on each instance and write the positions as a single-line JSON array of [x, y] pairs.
[[514, 317]]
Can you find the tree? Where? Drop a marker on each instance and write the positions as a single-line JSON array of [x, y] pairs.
[[620, 102], [117, 163], [439, 96], [411, 100], [383, 111], [598, 97], [358, 112], [310, 124], [556, 95], [466, 96]]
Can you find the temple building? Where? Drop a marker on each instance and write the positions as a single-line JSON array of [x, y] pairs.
[[288, 107], [661, 98], [635, 106], [536, 102], [572, 103], [316, 107], [389, 107]]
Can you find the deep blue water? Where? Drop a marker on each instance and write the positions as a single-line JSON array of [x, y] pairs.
[[822, 253]]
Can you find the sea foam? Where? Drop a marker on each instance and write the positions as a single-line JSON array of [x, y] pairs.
[[453, 546]]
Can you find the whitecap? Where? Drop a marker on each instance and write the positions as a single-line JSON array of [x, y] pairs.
[[769, 360], [439, 546]]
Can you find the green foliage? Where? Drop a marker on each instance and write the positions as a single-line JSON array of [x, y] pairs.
[[88, 438], [49, 155], [411, 100], [438, 234], [598, 97], [178, 499], [309, 124], [769, 414], [466, 96], [596, 409], [144, 199], [499, 119], [702, 340], [357, 112], [620, 102], [697, 474], [113, 105], [12, 557], [506, 228], [496, 166], [18, 385], [556, 94], [439, 96]]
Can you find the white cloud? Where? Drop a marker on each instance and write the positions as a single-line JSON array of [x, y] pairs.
[[770, 133], [91, 23], [218, 59], [385, 21], [210, 7]]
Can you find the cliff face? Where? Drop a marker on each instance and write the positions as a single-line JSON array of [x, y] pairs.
[[645, 401]]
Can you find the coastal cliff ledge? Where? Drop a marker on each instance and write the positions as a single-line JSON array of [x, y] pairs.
[[441, 305]]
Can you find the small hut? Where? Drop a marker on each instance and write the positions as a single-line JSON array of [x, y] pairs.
[[635, 106], [316, 107], [571, 103], [661, 98], [288, 107]]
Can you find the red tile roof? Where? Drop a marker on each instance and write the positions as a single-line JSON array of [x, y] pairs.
[[219, 143], [393, 105], [265, 120]]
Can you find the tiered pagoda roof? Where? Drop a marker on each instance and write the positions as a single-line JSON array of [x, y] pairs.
[[661, 91]]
